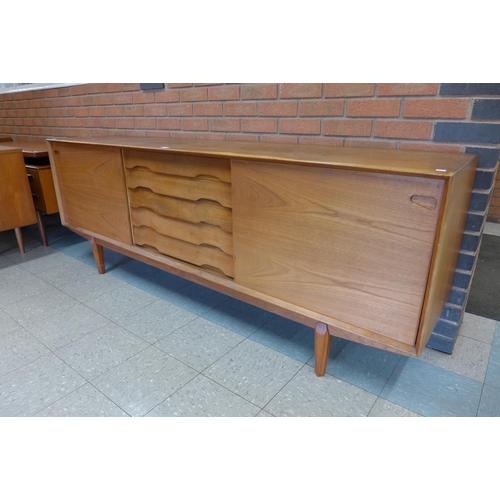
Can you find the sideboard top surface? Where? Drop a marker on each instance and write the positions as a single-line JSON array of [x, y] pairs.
[[435, 164]]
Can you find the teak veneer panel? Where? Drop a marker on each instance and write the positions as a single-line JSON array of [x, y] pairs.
[[184, 182], [428, 163], [201, 211], [208, 257], [180, 165], [197, 234], [91, 189], [446, 250], [350, 245], [193, 189]]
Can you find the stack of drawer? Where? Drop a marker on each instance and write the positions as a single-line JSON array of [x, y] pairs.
[[42, 188], [181, 206]]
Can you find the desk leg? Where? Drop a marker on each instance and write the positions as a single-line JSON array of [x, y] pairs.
[[322, 342], [19, 237], [98, 252], [41, 228]]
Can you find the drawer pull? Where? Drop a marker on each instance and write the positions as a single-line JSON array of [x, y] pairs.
[[30, 177], [35, 196], [428, 202]]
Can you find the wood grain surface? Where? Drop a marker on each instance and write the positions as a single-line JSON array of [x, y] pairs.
[[208, 257], [446, 250], [350, 245], [197, 234], [16, 202], [193, 189], [218, 169], [181, 206], [42, 187], [429, 163], [202, 211], [91, 189]]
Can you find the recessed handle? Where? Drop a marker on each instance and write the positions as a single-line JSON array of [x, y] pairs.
[[30, 177], [428, 202]]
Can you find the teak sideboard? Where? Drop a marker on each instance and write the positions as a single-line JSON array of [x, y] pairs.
[[357, 243]]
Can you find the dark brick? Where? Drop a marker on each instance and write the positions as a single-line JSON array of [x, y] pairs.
[[446, 329], [484, 179], [152, 86], [451, 314], [474, 222], [470, 242], [478, 202], [465, 262], [488, 157], [470, 89], [488, 109], [440, 343], [461, 280], [467, 132], [457, 297]]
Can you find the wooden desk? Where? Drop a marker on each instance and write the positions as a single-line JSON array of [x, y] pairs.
[[358, 243], [16, 204], [32, 149], [36, 157]]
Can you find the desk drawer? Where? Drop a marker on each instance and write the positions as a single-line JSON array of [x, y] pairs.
[[36, 189], [42, 188]]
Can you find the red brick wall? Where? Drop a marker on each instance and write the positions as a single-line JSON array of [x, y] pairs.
[[386, 115]]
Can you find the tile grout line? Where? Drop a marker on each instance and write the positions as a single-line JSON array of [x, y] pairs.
[[281, 389]]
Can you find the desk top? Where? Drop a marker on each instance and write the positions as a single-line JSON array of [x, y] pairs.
[[4, 150], [30, 149]]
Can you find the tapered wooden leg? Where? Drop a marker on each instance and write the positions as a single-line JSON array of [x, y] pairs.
[[19, 237], [41, 228], [322, 342], [98, 252]]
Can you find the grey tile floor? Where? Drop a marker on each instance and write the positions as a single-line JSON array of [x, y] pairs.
[[140, 342]]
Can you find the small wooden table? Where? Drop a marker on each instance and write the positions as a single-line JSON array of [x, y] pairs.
[[36, 159], [5, 138]]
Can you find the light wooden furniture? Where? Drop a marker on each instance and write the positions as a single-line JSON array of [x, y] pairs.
[[358, 243], [36, 157], [16, 204]]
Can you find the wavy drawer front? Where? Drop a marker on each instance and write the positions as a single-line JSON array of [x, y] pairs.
[[180, 187], [204, 211], [209, 258], [198, 234], [180, 206]]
